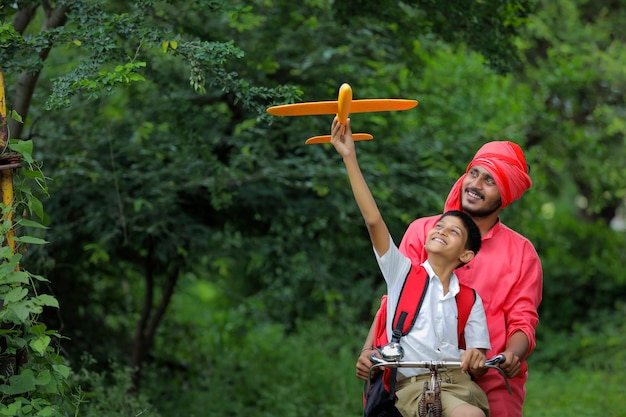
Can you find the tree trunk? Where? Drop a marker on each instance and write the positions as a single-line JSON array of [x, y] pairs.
[[150, 318], [55, 17]]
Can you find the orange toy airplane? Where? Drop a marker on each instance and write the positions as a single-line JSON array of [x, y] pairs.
[[342, 107]]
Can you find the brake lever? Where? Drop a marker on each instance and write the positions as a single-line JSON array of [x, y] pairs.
[[496, 360], [493, 364]]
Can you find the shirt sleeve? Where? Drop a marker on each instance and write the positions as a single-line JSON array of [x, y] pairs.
[[476, 331], [394, 267], [521, 306]]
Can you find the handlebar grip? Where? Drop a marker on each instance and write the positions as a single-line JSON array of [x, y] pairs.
[[496, 360], [375, 359]]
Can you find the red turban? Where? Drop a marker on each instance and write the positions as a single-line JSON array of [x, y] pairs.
[[506, 164]]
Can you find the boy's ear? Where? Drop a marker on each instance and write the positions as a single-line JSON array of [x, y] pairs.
[[467, 256]]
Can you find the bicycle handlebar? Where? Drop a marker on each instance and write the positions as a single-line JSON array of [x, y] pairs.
[[434, 365]]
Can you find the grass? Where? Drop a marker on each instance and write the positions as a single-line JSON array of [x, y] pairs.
[[577, 392]]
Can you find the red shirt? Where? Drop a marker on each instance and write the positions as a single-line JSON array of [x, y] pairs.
[[507, 274]]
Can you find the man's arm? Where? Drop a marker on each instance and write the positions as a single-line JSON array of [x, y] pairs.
[[516, 350], [364, 362], [521, 310]]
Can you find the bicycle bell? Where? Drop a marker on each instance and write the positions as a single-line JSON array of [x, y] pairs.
[[392, 351]]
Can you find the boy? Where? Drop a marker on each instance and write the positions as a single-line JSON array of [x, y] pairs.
[[454, 240]]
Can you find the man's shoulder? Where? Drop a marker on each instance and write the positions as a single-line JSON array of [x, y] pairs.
[[513, 236]]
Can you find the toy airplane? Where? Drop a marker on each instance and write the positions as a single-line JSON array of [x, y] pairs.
[[342, 108]]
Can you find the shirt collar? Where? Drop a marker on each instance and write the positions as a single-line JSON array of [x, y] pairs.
[[494, 229], [454, 280]]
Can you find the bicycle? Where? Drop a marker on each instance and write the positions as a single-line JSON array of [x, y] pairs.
[[430, 402]]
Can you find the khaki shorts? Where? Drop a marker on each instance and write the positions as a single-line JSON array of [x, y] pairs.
[[460, 390]]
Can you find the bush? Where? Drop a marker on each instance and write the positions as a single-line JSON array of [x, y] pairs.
[[267, 372], [107, 393]]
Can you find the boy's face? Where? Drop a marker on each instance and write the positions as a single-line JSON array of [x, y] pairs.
[[449, 238]]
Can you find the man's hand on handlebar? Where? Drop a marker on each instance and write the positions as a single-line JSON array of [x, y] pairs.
[[364, 363], [511, 366]]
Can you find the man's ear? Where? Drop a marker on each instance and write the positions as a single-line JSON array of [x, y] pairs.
[[467, 256]]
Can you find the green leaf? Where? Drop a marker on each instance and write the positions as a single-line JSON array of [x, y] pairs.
[[16, 294], [23, 309], [62, 370], [19, 384], [31, 223], [43, 378], [6, 252], [16, 116], [46, 300], [46, 411], [31, 240], [36, 207], [38, 329], [39, 278], [12, 409], [13, 277], [23, 147], [32, 173]]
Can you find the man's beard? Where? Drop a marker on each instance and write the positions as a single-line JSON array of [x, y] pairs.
[[484, 212]]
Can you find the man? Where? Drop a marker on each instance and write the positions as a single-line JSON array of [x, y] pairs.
[[506, 273]]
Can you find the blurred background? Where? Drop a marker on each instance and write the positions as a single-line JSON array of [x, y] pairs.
[[206, 262]]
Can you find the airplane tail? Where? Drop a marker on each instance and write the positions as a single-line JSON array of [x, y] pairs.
[[326, 138]]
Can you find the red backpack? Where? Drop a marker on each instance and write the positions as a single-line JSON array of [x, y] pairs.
[[380, 398]]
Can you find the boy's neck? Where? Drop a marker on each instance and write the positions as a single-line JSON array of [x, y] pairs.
[[443, 268]]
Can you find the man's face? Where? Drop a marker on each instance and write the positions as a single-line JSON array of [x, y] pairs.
[[480, 196]]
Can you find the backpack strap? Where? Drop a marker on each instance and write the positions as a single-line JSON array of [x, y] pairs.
[[406, 313], [415, 285], [464, 301]]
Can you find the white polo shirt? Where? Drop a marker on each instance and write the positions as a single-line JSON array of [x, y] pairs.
[[434, 335]]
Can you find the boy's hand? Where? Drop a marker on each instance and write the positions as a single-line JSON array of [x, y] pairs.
[[341, 138], [473, 360]]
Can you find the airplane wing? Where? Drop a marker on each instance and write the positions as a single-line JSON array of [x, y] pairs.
[[331, 107], [390, 104], [305, 109]]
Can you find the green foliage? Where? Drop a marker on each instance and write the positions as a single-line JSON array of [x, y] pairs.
[[34, 375], [151, 119], [488, 27], [251, 367], [574, 63], [581, 392], [581, 275], [109, 43], [593, 345], [579, 371], [97, 394]]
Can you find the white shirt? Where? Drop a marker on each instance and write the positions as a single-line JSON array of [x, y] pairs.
[[434, 335]]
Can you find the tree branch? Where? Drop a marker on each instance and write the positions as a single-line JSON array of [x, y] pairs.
[[23, 18], [28, 80]]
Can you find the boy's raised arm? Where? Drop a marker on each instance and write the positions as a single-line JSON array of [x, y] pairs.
[[341, 138]]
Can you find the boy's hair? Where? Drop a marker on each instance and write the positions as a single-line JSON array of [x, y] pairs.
[[474, 239]]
